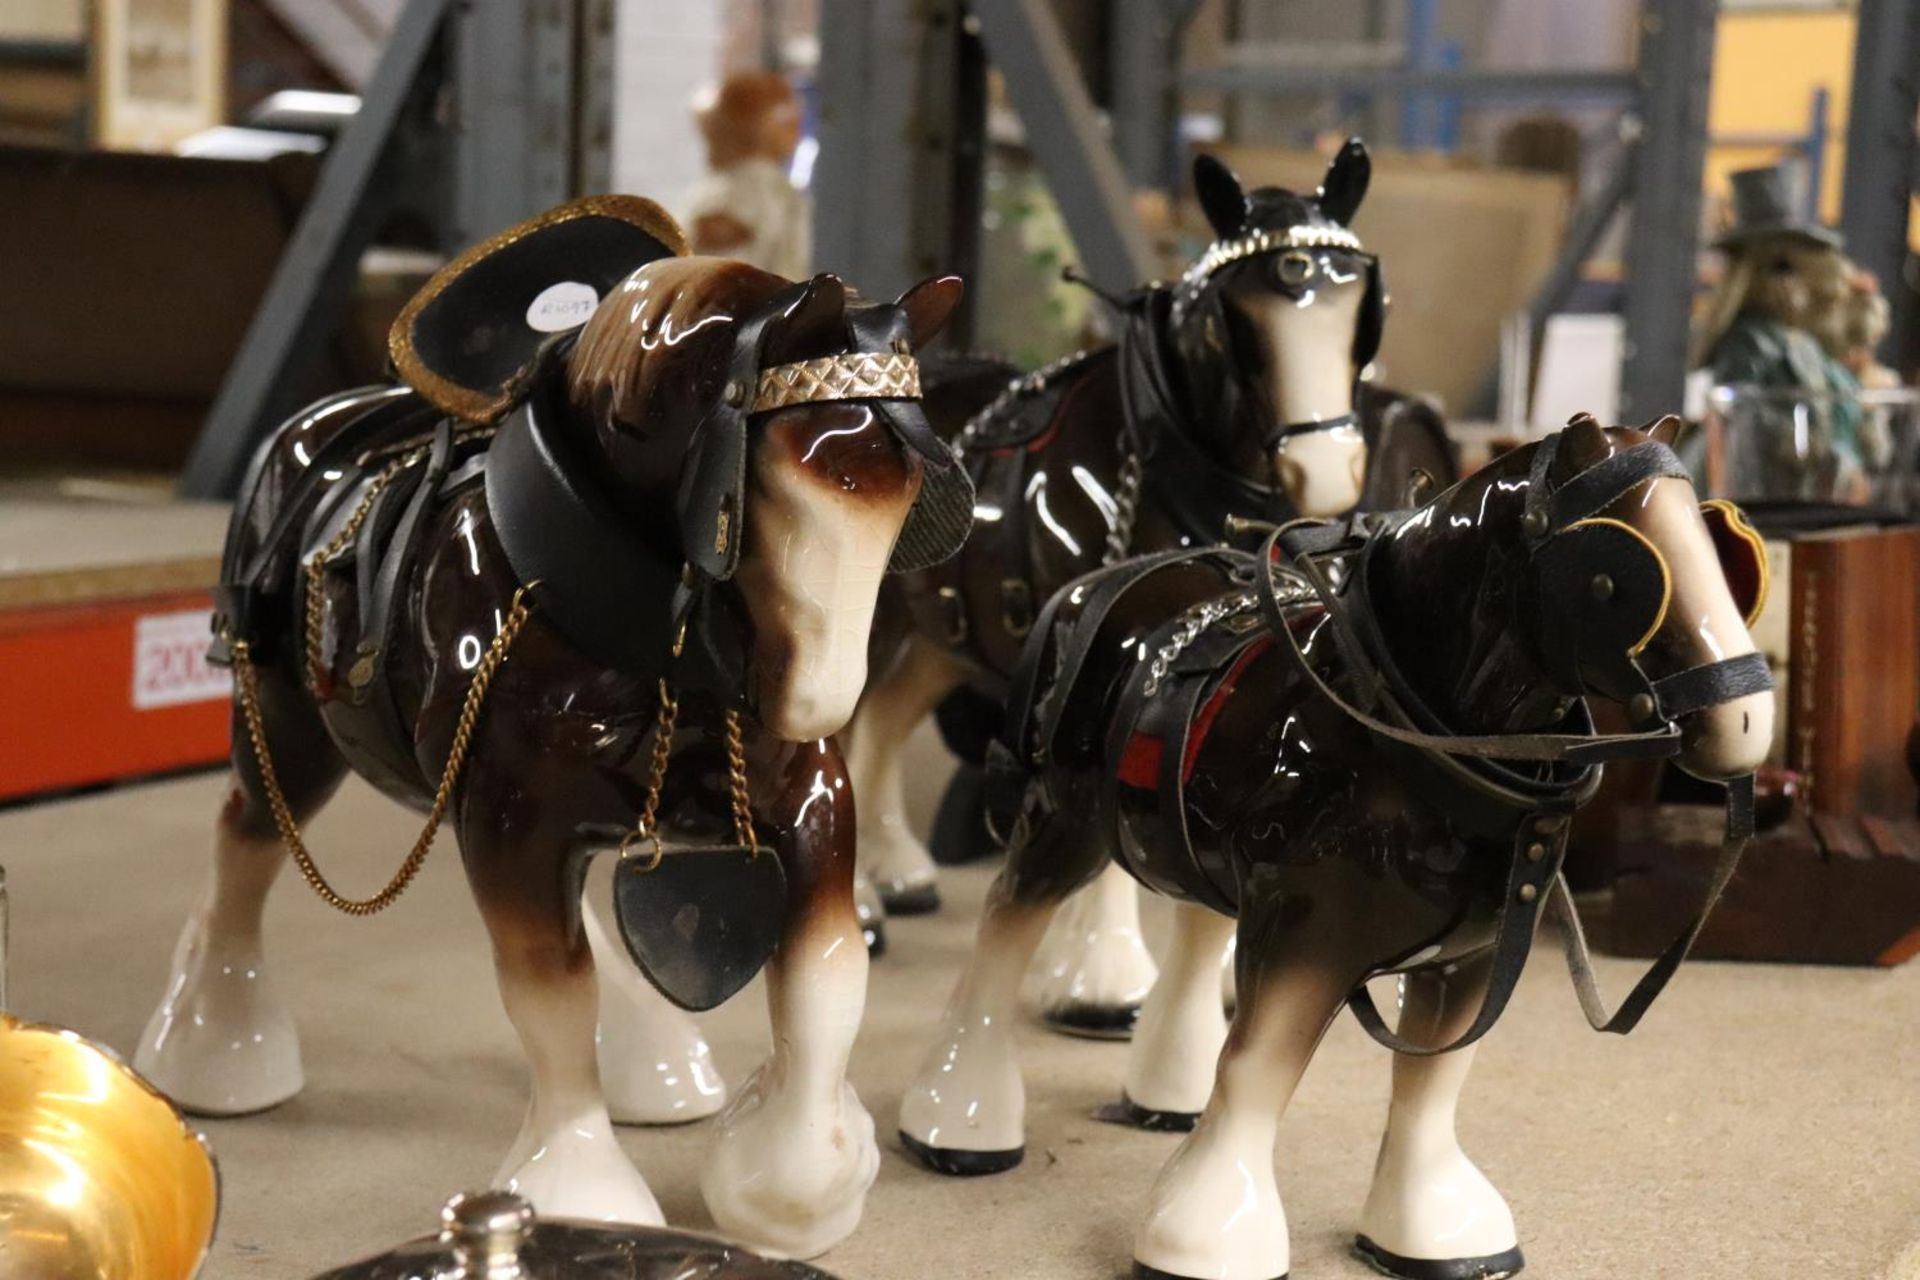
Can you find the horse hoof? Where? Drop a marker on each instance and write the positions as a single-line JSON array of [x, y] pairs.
[[661, 1089], [961, 1164], [1093, 1021], [1130, 1113], [787, 1175], [910, 899], [221, 1043], [578, 1171], [1491, 1267], [1141, 1271]]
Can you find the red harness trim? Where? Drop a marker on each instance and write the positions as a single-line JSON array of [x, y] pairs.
[[1046, 437], [1140, 760]]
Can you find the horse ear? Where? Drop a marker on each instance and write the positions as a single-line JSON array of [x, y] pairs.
[[930, 304], [1221, 196], [818, 316], [1667, 430], [1346, 182], [1583, 443]]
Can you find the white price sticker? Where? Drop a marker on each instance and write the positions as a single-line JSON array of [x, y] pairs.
[[170, 661], [562, 306]]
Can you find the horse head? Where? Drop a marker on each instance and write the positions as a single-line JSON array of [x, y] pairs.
[[775, 429], [1645, 594], [1273, 326]]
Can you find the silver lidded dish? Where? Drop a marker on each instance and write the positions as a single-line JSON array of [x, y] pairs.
[[495, 1235]]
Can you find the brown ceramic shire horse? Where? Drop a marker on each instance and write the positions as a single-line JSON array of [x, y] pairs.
[[1235, 391], [1371, 769], [558, 760]]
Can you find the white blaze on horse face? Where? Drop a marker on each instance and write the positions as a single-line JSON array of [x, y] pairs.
[[829, 492], [1703, 624], [1307, 346]]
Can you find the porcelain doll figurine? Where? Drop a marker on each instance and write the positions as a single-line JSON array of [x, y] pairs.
[[1774, 324], [1861, 325], [1236, 391], [1358, 749], [747, 207], [598, 577]]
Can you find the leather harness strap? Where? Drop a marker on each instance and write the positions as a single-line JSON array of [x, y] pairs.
[[1288, 430], [1532, 809], [1187, 484], [601, 578], [1094, 595], [381, 563], [1534, 876]]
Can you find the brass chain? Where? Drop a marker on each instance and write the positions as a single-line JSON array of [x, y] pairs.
[[317, 565], [1126, 507], [739, 799], [483, 675], [737, 783], [648, 828]]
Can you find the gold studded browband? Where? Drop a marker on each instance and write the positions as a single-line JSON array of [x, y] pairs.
[[858, 375], [1223, 253]]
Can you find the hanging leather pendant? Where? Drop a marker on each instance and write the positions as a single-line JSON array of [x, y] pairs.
[[703, 921]]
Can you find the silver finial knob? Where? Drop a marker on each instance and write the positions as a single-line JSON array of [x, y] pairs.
[[486, 1229]]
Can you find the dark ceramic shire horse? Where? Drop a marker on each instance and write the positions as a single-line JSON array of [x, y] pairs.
[[624, 572], [1235, 391], [1363, 744]]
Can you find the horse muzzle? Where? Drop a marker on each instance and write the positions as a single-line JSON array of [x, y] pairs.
[[1322, 466]]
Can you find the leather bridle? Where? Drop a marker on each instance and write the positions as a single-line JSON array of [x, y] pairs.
[[877, 370], [1560, 557]]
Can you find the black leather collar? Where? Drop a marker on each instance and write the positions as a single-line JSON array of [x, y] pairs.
[[597, 577], [1190, 487]]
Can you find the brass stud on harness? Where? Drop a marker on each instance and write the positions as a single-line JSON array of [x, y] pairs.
[[736, 393], [1602, 587], [1640, 707], [1536, 851], [1548, 824], [1529, 892], [1534, 523]]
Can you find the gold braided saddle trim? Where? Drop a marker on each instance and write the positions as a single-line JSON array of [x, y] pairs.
[[860, 375]]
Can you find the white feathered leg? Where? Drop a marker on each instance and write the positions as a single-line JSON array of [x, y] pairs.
[[655, 1064], [1182, 1026], [1430, 1209], [1095, 969], [222, 1043], [892, 857]]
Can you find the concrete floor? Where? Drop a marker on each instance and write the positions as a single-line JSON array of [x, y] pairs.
[[1765, 1122]]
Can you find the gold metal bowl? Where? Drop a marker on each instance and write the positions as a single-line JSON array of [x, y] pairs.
[[100, 1177]]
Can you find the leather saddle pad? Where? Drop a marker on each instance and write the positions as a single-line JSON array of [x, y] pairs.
[[468, 340], [1019, 418]]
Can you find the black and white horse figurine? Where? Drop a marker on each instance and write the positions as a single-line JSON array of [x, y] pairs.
[[1233, 391], [1358, 752]]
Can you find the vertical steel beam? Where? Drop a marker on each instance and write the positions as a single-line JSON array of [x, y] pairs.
[[513, 114], [1143, 57], [1065, 135], [863, 179], [896, 187], [310, 284], [1882, 152], [1663, 239], [595, 51]]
